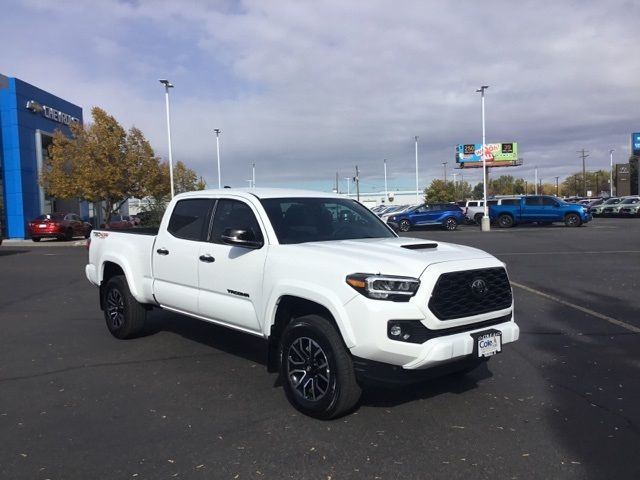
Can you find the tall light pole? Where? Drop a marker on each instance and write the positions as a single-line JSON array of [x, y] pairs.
[[348, 179], [386, 191], [536, 181], [218, 131], [611, 172], [417, 183], [444, 164], [253, 175], [167, 85], [485, 219], [557, 189]]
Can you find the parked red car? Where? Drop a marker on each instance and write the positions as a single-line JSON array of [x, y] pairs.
[[63, 226], [119, 222]]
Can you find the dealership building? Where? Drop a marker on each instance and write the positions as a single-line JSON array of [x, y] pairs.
[[28, 118]]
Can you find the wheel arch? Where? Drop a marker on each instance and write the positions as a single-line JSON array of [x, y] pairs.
[[290, 306]]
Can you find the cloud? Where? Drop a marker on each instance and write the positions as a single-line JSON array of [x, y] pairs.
[[305, 89]]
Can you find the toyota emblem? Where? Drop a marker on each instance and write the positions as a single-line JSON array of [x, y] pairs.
[[479, 287]]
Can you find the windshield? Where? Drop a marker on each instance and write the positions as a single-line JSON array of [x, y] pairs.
[[612, 201], [630, 200], [299, 220]]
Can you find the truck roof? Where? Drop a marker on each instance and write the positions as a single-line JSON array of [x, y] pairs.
[[262, 193]]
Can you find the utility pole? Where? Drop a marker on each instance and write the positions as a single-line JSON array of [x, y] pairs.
[[536, 181], [253, 175], [386, 191], [417, 185], [584, 154], [357, 180], [557, 190], [611, 173], [217, 132], [444, 164]]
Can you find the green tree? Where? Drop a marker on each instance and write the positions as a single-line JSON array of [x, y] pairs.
[[478, 191], [101, 162], [440, 191], [574, 185]]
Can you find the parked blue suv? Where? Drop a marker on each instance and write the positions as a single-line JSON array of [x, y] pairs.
[[447, 215]]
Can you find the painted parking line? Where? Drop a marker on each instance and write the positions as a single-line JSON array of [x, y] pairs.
[[588, 311]]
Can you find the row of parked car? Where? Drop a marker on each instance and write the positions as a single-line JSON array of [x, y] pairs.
[[504, 212], [628, 206]]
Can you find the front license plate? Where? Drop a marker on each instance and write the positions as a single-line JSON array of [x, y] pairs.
[[488, 343]]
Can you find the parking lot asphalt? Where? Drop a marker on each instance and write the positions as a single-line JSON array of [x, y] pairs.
[[193, 400]]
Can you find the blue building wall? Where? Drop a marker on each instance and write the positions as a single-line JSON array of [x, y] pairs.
[[18, 149]]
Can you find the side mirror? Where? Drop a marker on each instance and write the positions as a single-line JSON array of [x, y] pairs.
[[241, 238]]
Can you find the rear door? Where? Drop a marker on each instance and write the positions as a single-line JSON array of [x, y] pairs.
[[175, 256], [532, 210], [231, 276], [422, 215]]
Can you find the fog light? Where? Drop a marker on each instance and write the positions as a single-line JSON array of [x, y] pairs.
[[395, 330]]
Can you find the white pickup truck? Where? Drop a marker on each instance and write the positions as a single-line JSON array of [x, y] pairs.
[[338, 296]]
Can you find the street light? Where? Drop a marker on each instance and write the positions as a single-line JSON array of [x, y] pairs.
[[557, 189], [611, 173], [348, 179], [167, 85], [386, 191], [444, 164], [485, 219], [218, 131], [417, 184]]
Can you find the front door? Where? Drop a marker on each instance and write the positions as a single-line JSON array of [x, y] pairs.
[[231, 276]]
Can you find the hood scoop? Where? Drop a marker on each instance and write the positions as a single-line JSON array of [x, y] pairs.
[[420, 246]]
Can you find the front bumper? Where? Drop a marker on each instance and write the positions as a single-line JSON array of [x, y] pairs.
[[452, 340]]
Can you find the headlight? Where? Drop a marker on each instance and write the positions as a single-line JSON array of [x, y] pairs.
[[392, 219], [384, 287]]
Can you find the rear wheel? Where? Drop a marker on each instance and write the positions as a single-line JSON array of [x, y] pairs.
[[450, 224], [404, 225], [125, 317], [68, 234], [478, 218], [316, 368], [505, 221], [572, 220], [35, 239]]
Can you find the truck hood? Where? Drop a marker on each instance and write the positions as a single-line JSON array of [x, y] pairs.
[[390, 256]]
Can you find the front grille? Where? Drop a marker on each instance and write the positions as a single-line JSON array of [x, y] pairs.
[[470, 292]]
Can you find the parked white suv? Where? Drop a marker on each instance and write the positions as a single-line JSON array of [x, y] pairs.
[[474, 209]]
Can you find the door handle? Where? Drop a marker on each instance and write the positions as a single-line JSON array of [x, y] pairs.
[[162, 251], [207, 259]]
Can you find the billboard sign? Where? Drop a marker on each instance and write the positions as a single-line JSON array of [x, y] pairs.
[[635, 143], [494, 152]]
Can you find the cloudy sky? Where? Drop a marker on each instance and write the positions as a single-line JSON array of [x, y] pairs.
[[307, 88]]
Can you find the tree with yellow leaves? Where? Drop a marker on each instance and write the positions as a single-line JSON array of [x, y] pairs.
[[103, 163]]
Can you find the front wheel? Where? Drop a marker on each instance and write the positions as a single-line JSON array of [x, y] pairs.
[[35, 239], [125, 317], [572, 220], [404, 225], [316, 368], [505, 221], [450, 224]]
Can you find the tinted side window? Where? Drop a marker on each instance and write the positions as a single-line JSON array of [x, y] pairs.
[[532, 201], [550, 202], [189, 218], [510, 201], [492, 202], [233, 214]]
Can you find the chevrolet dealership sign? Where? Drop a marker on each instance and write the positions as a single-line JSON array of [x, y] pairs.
[[51, 113]]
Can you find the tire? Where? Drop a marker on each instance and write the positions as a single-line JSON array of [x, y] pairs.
[[87, 234], [68, 234], [478, 218], [35, 239], [572, 220], [450, 224], [505, 221], [316, 369], [404, 225], [125, 317]]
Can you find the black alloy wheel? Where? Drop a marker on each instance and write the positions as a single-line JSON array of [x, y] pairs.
[[505, 221], [572, 220], [450, 224], [404, 225], [125, 317], [316, 368]]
